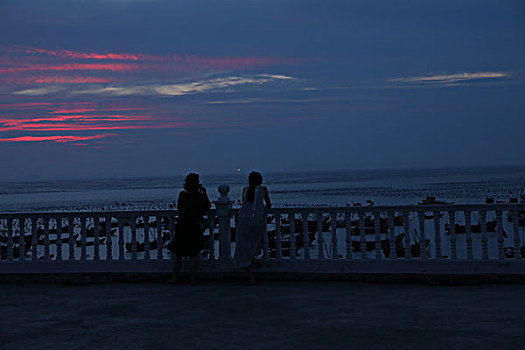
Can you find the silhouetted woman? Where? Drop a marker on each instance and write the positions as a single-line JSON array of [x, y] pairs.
[[251, 224], [192, 204]]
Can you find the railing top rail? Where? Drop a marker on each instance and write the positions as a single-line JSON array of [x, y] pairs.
[[96, 213], [276, 210], [401, 208]]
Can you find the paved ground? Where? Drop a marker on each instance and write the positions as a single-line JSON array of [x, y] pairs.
[[271, 315]]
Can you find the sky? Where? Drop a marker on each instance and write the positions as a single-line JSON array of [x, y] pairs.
[[133, 88]]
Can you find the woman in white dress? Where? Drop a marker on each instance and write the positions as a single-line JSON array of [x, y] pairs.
[[251, 224]]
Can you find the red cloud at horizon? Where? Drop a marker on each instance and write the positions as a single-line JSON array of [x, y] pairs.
[[114, 67], [76, 117], [92, 127], [59, 139], [72, 80], [85, 110], [77, 54], [185, 58]]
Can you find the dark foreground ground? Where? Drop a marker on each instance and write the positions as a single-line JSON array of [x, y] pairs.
[[270, 315]]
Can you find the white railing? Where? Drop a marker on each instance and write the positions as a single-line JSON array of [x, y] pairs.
[[339, 236]]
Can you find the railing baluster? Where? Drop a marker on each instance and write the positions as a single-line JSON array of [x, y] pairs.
[[46, 239], [391, 234], [211, 229], [468, 228], [159, 239], [362, 235], [320, 238], [133, 238], [34, 239], [278, 246], [422, 236], [453, 239], [306, 238], [348, 238], [71, 230], [266, 248], [377, 233], [437, 235], [517, 240], [58, 242], [109, 241], [335, 254], [21, 240], [291, 218], [499, 220], [121, 238], [10, 239], [83, 250], [146, 237], [96, 235], [406, 228], [171, 228], [484, 239]]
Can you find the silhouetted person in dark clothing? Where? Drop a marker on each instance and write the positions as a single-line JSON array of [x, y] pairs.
[[192, 204]]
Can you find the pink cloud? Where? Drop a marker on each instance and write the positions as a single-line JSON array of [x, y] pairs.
[[73, 67], [93, 127], [59, 139], [215, 62], [87, 55], [71, 80], [86, 110]]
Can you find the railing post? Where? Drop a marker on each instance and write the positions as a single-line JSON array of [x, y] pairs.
[[468, 229], [348, 240], [422, 235], [58, 241], [484, 238], [83, 242], [291, 218], [320, 238], [22, 240], [10, 239], [46, 239], [96, 234], [362, 234], [437, 235], [278, 237], [499, 221], [453, 239], [377, 234], [406, 227], [224, 207], [392, 234], [109, 242], [517, 242], [146, 237], [335, 254]]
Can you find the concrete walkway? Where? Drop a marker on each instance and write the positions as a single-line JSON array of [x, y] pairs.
[[271, 315]]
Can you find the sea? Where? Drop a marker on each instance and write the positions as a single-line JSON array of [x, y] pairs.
[[313, 188]]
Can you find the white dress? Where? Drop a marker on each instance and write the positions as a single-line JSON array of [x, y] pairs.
[[251, 226]]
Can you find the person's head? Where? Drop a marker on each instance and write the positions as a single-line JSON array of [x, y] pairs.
[[191, 183], [255, 179]]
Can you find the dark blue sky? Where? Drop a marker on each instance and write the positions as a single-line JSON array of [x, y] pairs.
[[138, 88]]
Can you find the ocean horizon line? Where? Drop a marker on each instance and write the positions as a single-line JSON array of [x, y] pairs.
[[268, 173]]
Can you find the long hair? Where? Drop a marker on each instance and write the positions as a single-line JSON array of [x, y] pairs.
[[254, 179], [191, 183]]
